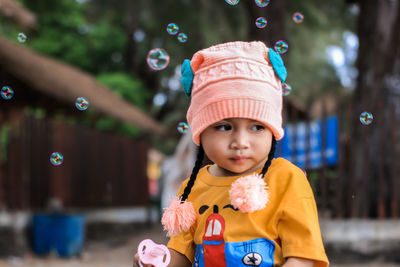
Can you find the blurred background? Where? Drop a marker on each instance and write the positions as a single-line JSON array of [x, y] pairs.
[[93, 133]]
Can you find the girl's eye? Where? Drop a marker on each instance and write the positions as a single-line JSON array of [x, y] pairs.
[[226, 126], [259, 127]]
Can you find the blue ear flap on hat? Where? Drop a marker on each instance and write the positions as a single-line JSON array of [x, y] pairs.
[[277, 64], [187, 77]]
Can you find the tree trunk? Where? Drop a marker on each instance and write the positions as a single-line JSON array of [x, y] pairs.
[[2, 149], [131, 27], [138, 66], [378, 87], [276, 16]]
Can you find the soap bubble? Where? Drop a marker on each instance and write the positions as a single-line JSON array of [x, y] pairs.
[[82, 103], [56, 159], [6, 92], [182, 37], [261, 22], [172, 28], [22, 37], [157, 59], [366, 118], [298, 17], [232, 2], [286, 89], [262, 3], [281, 47], [183, 127]]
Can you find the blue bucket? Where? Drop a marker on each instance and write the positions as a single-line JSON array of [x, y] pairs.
[[61, 233]]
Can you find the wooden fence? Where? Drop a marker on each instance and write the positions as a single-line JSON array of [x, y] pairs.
[[98, 169], [377, 195]]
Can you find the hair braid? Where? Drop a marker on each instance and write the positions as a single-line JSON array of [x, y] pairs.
[[196, 168], [270, 157]]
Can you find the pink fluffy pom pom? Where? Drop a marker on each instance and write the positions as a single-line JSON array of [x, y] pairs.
[[178, 217], [249, 193]]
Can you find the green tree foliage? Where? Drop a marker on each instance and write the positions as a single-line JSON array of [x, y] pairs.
[[66, 33], [128, 87], [58, 35]]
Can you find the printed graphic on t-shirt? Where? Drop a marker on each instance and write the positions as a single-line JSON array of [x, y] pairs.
[[216, 253]]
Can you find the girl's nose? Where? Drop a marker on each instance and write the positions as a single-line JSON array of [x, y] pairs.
[[240, 140]]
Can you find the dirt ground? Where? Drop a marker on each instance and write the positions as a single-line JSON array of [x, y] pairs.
[[117, 253]]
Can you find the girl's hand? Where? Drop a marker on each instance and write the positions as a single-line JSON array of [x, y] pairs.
[[136, 262], [177, 260]]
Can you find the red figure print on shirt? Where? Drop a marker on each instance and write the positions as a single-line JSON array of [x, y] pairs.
[[213, 241]]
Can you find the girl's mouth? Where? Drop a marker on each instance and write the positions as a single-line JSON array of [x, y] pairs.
[[239, 160]]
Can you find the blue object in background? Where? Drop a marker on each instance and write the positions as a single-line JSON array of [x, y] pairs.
[[331, 141], [285, 145], [315, 151], [301, 144], [62, 233]]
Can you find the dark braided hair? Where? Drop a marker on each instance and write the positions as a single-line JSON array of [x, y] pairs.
[[270, 157], [199, 160], [196, 168]]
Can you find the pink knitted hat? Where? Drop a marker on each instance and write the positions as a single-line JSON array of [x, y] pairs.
[[235, 80]]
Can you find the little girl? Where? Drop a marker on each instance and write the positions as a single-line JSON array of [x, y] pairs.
[[246, 209]]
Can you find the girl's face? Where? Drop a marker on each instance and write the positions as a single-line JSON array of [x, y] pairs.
[[237, 146]]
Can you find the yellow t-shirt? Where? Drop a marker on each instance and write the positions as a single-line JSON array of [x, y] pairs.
[[287, 227]]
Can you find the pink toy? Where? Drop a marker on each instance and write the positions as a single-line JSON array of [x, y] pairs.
[[152, 253]]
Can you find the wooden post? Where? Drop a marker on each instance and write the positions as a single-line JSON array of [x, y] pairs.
[[381, 179], [324, 182], [340, 168], [2, 199], [294, 117], [363, 202], [394, 166], [352, 170]]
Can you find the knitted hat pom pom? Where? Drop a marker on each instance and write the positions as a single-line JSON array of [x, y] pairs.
[[249, 193], [178, 217]]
